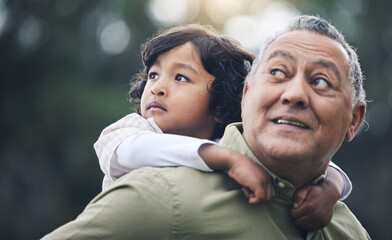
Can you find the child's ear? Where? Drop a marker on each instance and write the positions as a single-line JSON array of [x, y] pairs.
[[358, 116]]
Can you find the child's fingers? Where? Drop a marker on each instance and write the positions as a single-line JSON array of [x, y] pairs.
[[300, 196], [260, 194], [257, 193], [253, 195], [303, 220], [308, 208], [270, 193], [309, 219], [298, 212], [248, 193], [307, 223]]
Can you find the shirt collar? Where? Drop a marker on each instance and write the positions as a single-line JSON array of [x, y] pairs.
[[233, 139]]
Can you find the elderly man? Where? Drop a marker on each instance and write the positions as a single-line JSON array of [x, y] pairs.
[[303, 97]]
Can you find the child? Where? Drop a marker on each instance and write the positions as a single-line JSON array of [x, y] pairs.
[[190, 89]]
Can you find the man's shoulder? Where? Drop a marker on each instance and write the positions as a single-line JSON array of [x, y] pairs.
[[174, 176], [176, 183], [164, 172], [345, 224]]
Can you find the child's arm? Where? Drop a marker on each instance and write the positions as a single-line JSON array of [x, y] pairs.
[[112, 136], [346, 181], [313, 205], [256, 182], [147, 149], [162, 150]]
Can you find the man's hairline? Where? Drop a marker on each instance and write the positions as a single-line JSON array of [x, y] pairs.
[[272, 39], [323, 63]]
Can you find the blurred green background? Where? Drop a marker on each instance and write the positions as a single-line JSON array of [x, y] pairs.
[[65, 67]]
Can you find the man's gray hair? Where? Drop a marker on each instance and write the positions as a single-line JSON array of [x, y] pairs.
[[323, 27]]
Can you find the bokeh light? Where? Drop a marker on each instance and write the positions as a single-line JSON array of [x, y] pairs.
[[172, 12], [114, 36], [244, 29], [252, 30], [221, 10], [3, 17], [31, 33]]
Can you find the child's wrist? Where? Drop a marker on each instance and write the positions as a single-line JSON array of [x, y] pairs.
[[335, 181], [216, 157], [229, 159]]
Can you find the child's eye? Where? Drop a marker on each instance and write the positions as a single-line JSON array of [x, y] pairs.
[[278, 73], [320, 83], [181, 78], [152, 75]]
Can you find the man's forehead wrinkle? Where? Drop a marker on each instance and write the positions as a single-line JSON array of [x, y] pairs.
[[285, 52], [281, 53]]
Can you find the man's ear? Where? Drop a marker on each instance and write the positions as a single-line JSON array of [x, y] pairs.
[[358, 116], [244, 95]]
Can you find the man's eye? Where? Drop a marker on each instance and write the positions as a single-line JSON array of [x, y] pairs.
[[181, 78], [320, 83], [152, 76], [278, 73]]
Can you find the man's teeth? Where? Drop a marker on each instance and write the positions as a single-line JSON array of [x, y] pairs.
[[282, 121]]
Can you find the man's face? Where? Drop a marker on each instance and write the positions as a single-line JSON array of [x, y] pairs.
[[298, 106]]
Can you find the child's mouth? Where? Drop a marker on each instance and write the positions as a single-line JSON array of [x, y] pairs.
[[155, 105]]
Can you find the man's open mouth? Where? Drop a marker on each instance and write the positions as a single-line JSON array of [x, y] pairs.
[[293, 123]]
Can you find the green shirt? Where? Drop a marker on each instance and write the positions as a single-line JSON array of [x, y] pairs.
[[183, 203]]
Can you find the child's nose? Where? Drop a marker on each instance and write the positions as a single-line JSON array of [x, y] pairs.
[[159, 89]]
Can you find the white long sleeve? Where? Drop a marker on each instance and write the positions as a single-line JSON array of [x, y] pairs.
[[112, 136], [157, 150], [347, 183]]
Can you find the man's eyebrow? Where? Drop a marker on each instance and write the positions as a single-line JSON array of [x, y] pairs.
[[281, 54], [329, 65]]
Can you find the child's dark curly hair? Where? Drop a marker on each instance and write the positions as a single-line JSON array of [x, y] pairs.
[[221, 56]]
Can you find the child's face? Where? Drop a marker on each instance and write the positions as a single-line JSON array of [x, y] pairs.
[[176, 94]]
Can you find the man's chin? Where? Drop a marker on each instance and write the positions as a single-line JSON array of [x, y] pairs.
[[288, 152]]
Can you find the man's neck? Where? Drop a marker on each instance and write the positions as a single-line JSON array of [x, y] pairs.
[[297, 173]]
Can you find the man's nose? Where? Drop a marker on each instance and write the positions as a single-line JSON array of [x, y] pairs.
[[160, 87], [296, 92]]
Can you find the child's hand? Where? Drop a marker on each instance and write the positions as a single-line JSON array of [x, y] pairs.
[[256, 182], [313, 206]]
